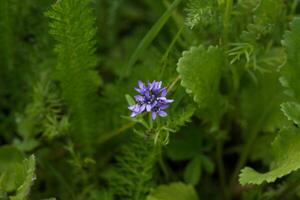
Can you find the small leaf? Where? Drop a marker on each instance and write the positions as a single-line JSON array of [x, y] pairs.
[[286, 149], [174, 191], [207, 164], [192, 172], [9, 156], [129, 99], [292, 111]]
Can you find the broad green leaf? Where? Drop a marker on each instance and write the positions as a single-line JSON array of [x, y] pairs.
[[192, 172], [286, 150], [9, 156], [291, 111], [291, 71], [29, 171], [10, 159], [12, 178], [200, 72], [207, 164], [261, 102], [174, 191]]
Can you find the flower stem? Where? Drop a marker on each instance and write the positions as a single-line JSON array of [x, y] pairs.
[[170, 87], [150, 121], [219, 154]]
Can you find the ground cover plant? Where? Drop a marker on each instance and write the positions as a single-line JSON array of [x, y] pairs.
[[149, 99]]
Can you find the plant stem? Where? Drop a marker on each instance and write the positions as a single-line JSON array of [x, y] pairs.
[[250, 140], [170, 87], [109, 136], [219, 153], [294, 7], [227, 14]]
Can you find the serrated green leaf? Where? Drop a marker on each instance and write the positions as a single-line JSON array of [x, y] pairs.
[[174, 191], [286, 150], [292, 111], [12, 178], [200, 71], [291, 71], [29, 170], [192, 172]]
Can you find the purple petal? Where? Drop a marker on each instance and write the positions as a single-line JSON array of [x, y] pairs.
[[162, 113], [138, 90], [162, 98], [159, 84], [141, 85], [139, 98], [148, 107], [169, 100], [142, 108], [154, 104], [131, 107], [154, 115], [164, 106], [164, 92], [136, 109], [133, 114]]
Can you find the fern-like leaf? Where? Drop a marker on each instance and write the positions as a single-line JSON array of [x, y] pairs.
[[72, 27], [133, 178]]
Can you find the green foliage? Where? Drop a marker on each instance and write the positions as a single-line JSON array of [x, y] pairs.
[[133, 175], [24, 189], [201, 13], [68, 76], [16, 176], [192, 173], [291, 111], [72, 27], [174, 191], [200, 71], [149, 37], [44, 115], [291, 70], [286, 158]]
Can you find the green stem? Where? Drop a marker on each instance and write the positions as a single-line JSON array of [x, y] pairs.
[[227, 14], [114, 134], [171, 86], [219, 153], [250, 140], [150, 120], [294, 7]]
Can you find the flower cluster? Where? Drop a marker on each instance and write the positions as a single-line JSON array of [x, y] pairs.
[[151, 98]]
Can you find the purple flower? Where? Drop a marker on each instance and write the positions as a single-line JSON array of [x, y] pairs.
[[151, 98]]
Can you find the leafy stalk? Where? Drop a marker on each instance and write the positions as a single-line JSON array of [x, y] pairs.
[[71, 25]]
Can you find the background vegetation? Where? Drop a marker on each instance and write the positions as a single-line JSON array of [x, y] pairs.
[[68, 68]]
